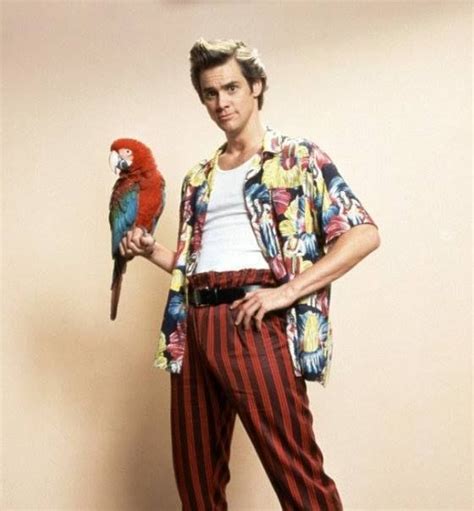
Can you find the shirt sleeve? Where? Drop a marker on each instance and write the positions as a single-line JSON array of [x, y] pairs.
[[336, 209]]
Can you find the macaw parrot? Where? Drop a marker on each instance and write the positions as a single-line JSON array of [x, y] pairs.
[[138, 199]]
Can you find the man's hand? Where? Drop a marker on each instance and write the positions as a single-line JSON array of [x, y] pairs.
[[257, 303], [137, 242]]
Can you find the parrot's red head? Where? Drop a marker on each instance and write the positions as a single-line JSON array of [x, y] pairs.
[[128, 155]]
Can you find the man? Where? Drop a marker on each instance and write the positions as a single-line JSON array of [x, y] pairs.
[[266, 224]]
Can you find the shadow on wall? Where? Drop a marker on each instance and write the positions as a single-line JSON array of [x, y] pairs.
[[100, 410]]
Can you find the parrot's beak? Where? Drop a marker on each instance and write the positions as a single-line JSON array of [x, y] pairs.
[[114, 158]]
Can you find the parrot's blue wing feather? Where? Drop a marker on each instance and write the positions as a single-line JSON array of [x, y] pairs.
[[123, 213]]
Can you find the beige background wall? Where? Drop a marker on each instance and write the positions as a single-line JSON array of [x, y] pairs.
[[385, 89]]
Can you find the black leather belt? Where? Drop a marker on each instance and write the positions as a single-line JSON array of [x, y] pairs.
[[200, 297]]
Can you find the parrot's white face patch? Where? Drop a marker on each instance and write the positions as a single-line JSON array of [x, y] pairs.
[[117, 159], [114, 158]]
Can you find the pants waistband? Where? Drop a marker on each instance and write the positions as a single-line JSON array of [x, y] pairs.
[[234, 278]]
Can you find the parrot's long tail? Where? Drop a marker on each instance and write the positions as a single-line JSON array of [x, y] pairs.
[[120, 266]]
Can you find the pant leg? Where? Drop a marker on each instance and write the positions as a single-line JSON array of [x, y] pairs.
[[202, 423], [281, 427], [255, 369]]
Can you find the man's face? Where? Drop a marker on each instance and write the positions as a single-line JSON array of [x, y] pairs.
[[227, 96]]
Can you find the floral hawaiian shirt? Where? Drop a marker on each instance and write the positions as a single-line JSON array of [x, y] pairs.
[[297, 203]]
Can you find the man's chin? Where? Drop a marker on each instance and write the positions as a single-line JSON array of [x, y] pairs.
[[227, 127]]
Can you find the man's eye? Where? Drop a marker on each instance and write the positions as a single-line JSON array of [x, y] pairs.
[[209, 95]]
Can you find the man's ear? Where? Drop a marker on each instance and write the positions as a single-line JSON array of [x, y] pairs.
[[256, 88]]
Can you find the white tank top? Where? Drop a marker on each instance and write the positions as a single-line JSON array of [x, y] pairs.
[[228, 241]]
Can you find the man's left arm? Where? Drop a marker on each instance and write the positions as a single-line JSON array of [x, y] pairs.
[[348, 234], [344, 253], [348, 231]]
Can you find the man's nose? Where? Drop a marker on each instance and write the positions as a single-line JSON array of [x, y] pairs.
[[222, 101]]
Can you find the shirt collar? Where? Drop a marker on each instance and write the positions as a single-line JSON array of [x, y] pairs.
[[271, 142]]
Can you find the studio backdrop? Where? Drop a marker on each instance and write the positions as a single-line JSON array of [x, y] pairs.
[[385, 89]]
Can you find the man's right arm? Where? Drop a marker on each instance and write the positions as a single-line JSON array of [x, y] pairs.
[[161, 256], [136, 243]]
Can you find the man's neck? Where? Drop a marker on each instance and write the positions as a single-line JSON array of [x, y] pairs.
[[249, 139]]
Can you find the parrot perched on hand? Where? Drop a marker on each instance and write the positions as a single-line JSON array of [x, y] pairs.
[[138, 199]]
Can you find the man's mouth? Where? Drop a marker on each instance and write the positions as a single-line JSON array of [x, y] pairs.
[[224, 117]]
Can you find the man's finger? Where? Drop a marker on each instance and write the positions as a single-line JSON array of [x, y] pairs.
[[242, 313], [249, 314], [136, 235], [147, 241], [239, 317], [132, 246], [242, 309], [259, 318], [124, 245], [236, 303], [260, 314], [245, 304]]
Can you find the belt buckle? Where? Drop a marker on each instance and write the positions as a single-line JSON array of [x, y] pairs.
[[213, 292], [197, 298], [205, 296]]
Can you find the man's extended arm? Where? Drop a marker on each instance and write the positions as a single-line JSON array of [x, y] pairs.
[[137, 243], [162, 257], [344, 253]]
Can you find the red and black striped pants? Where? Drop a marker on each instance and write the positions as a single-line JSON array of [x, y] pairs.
[[228, 370]]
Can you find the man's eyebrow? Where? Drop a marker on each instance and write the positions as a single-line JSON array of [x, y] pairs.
[[211, 89]]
